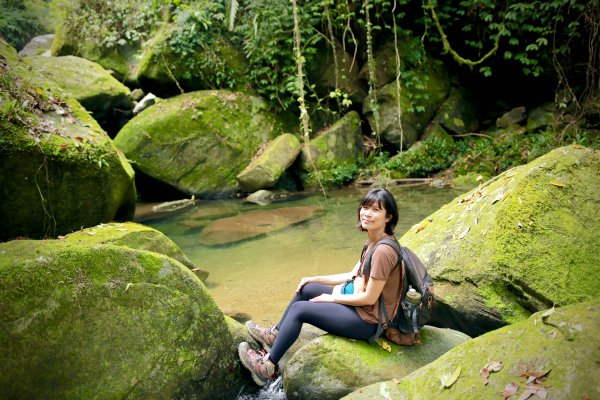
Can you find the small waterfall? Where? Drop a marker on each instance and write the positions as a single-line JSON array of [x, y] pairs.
[[273, 391]]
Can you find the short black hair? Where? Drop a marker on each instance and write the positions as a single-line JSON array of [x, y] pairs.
[[383, 198]]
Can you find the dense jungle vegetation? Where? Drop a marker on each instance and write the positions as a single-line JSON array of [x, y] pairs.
[[504, 53]]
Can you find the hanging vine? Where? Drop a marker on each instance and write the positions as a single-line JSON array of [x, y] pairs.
[[304, 120], [372, 80], [398, 73]]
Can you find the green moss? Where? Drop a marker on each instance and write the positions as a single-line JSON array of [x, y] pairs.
[[108, 319], [177, 140], [498, 298]]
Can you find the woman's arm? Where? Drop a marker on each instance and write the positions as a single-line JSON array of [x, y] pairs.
[[368, 297], [330, 279]]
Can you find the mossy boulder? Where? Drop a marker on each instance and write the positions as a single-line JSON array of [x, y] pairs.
[[135, 236], [37, 46], [457, 114], [266, 169], [561, 350], [87, 82], [219, 64], [340, 143], [519, 243], [99, 320], [59, 170], [330, 367], [198, 142], [122, 60], [418, 106]]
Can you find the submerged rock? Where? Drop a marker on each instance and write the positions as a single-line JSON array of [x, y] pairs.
[[553, 354], [198, 142], [330, 367], [519, 243], [255, 223], [85, 320], [59, 170]]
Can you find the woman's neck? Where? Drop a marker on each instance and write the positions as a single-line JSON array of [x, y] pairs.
[[375, 237]]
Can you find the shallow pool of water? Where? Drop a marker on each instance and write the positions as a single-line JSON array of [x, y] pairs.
[[258, 276]]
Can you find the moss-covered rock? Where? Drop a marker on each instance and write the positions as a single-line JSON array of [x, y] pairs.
[[330, 367], [59, 170], [99, 320], [340, 143], [87, 82], [135, 236], [562, 349], [265, 170], [518, 243], [457, 114], [198, 142], [37, 46], [418, 107]]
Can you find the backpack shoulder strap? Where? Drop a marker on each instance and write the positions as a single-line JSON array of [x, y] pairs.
[[393, 243]]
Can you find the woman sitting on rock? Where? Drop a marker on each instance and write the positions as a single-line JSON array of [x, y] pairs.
[[352, 315]]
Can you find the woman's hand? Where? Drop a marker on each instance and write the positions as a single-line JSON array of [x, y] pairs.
[[303, 282], [323, 298]]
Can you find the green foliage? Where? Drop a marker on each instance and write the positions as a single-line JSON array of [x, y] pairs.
[[108, 24], [531, 32], [195, 42], [269, 47], [421, 160], [18, 23], [334, 175]]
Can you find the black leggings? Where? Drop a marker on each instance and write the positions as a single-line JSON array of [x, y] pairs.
[[339, 319]]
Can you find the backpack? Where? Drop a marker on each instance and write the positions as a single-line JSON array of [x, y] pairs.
[[403, 328]]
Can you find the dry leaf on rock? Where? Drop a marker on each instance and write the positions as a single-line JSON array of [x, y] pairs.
[[547, 315], [509, 390], [558, 183], [448, 380], [462, 235], [493, 366]]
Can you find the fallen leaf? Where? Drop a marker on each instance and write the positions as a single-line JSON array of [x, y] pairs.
[[509, 390], [122, 229], [520, 225], [128, 285], [450, 217], [547, 314], [553, 334], [420, 227], [462, 235], [448, 380], [62, 237], [542, 393], [91, 233], [493, 366], [479, 178], [527, 394], [498, 197], [384, 344], [558, 183]]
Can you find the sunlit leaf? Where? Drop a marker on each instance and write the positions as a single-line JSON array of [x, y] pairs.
[[448, 380], [462, 235], [384, 345], [558, 183]]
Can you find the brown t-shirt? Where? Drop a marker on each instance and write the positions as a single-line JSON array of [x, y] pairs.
[[382, 267]]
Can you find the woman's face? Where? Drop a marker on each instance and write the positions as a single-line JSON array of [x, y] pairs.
[[373, 217]]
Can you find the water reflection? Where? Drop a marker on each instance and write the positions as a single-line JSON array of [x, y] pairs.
[[258, 276]]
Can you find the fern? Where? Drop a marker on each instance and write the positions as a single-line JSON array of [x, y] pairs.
[[232, 9]]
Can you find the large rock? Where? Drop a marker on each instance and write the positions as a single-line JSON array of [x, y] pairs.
[[341, 143], [135, 236], [198, 142], [519, 243], [88, 83], [94, 320], [457, 114], [266, 169], [556, 357], [417, 105], [330, 367], [59, 170], [37, 46]]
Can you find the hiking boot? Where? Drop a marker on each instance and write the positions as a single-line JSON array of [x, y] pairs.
[[264, 336], [259, 365]]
